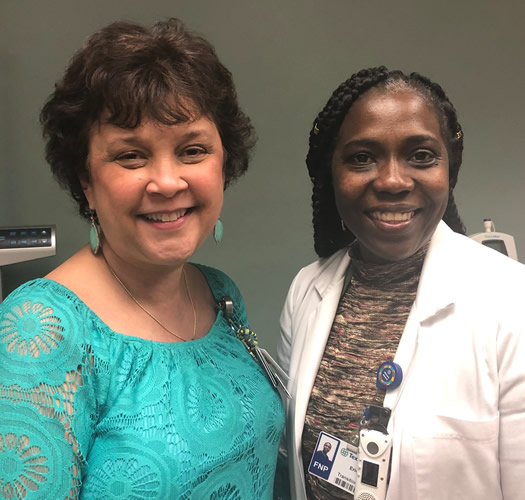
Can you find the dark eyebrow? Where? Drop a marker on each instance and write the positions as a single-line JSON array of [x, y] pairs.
[[416, 139], [371, 143], [361, 142], [133, 138], [192, 134]]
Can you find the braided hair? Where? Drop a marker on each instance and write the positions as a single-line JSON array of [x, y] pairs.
[[329, 235]]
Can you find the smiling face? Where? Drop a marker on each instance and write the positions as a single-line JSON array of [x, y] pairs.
[[157, 189], [390, 174]]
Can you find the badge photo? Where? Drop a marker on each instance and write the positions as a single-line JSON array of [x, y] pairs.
[[324, 454]]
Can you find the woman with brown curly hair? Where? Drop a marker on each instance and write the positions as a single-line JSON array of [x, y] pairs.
[[121, 375]]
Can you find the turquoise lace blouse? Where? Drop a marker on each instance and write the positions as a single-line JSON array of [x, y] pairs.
[[86, 412]]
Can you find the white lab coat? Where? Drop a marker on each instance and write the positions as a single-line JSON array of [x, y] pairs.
[[458, 421]]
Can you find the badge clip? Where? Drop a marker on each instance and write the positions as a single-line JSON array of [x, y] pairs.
[[376, 418], [249, 339], [389, 376]]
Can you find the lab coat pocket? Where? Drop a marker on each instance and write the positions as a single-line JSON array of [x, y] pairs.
[[457, 458]]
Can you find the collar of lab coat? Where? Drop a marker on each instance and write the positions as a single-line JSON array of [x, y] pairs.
[[438, 285], [329, 278], [435, 290]]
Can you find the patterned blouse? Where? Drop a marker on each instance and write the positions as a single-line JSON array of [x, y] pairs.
[[369, 321], [86, 412]]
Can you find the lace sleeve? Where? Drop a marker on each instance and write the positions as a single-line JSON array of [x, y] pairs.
[[46, 406]]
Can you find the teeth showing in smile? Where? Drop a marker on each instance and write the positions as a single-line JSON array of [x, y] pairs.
[[392, 216], [159, 217]]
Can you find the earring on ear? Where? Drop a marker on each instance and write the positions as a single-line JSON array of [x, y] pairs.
[[343, 227], [218, 231], [94, 235]]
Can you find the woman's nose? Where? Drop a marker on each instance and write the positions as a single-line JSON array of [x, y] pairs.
[[166, 178], [393, 177]]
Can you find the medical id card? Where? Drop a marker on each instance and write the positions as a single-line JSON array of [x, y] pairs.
[[335, 461]]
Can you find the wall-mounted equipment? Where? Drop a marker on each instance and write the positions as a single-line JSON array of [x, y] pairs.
[[19, 244], [501, 242]]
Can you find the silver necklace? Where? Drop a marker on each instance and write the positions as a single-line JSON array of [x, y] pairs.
[[127, 290]]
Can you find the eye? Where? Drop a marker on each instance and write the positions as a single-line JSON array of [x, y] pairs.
[[130, 159], [194, 154], [423, 158], [360, 159]]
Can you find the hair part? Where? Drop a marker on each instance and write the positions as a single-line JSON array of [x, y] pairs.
[[329, 235], [127, 73]]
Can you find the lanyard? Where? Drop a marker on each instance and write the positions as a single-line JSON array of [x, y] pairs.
[[405, 350]]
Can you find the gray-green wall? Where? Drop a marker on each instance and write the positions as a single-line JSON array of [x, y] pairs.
[[286, 57]]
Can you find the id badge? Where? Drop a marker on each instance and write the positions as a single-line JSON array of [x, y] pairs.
[[335, 461]]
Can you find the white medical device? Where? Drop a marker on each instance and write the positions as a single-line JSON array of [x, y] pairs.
[[503, 243], [373, 464], [19, 244]]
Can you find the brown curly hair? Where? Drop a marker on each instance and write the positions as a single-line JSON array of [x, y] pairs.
[[164, 73]]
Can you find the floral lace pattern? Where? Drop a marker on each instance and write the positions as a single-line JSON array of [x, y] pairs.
[[31, 329], [123, 478], [23, 464], [86, 412], [30, 459]]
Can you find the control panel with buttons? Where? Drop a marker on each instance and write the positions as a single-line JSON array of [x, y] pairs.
[[19, 244]]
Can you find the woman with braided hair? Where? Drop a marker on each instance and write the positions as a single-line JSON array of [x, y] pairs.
[[395, 331]]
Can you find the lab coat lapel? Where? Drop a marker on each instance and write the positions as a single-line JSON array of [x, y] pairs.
[[318, 329], [435, 295], [438, 285]]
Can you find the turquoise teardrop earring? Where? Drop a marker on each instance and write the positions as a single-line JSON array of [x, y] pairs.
[[218, 231], [94, 236]]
